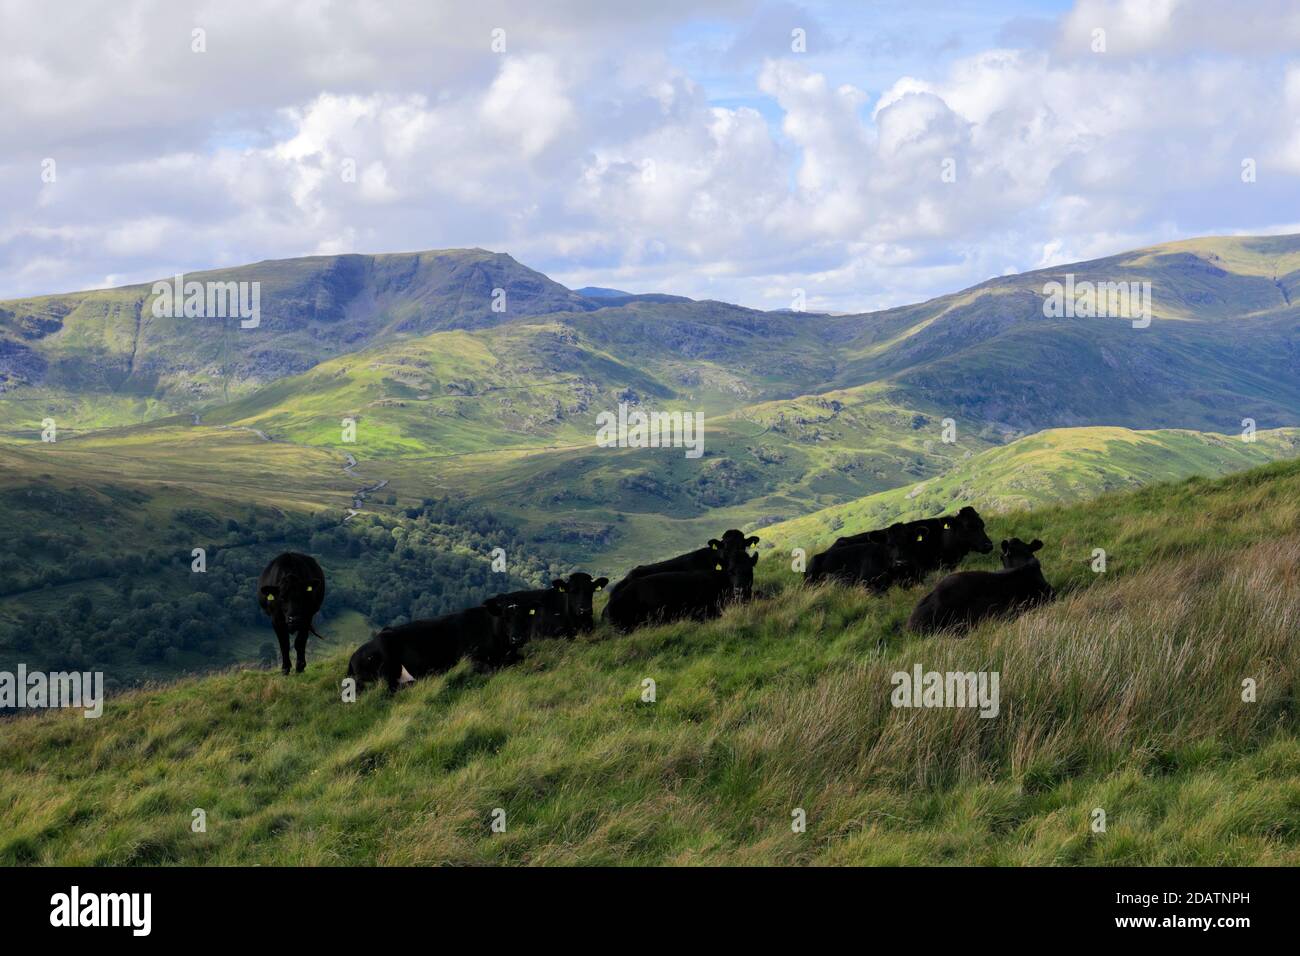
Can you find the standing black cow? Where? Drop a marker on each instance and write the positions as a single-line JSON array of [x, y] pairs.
[[729, 549], [291, 591], [676, 594], [966, 597]]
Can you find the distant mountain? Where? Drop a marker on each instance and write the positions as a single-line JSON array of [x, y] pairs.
[[597, 292], [311, 309]]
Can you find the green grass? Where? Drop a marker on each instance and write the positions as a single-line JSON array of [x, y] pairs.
[[1123, 695]]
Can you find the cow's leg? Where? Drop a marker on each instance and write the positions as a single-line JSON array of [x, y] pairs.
[[300, 647], [282, 634], [391, 670]]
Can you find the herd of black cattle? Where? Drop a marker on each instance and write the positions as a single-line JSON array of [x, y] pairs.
[[697, 585]]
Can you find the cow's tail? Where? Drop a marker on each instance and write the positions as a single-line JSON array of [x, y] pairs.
[[312, 628]]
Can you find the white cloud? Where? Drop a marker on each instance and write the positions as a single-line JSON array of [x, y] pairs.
[[590, 151]]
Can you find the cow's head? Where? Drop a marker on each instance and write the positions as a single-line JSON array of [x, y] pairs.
[[579, 589], [295, 599], [1017, 554], [738, 569], [732, 542], [365, 663], [733, 558], [517, 616], [964, 531], [910, 546]]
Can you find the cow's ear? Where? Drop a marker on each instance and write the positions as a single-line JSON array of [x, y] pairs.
[[558, 585], [1035, 545], [713, 543], [751, 541], [600, 583]]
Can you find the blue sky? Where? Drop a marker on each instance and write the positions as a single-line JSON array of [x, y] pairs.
[[909, 150]]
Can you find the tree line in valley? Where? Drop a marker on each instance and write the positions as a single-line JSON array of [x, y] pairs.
[[144, 613]]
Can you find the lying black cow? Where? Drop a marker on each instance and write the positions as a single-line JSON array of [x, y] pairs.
[[677, 594], [490, 636], [731, 548], [896, 555], [564, 608], [578, 590], [291, 591], [948, 540], [870, 563], [966, 597]]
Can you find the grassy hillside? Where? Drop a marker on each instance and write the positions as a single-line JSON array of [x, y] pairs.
[[1124, 695], [1058, 466], [57, 349], [1221, 345]]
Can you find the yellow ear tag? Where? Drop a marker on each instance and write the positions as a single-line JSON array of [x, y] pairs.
[[717, 567], [600, 587], [532, 611], [561, 590], [920, 537], [309, 587], [946, 526], [270, 597]]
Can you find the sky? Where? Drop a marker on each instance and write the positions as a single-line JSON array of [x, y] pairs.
[[869, 154]]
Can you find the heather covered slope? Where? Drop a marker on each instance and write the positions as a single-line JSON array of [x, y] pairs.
[[1124, 695]]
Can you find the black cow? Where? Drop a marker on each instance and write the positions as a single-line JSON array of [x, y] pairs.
[[490, 636], [963, 598], [870, 563], [564, 608], [291, 591], [366, 663], [676, 594], [896, 555], [579, 589], [949, 539], [730, 548]]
